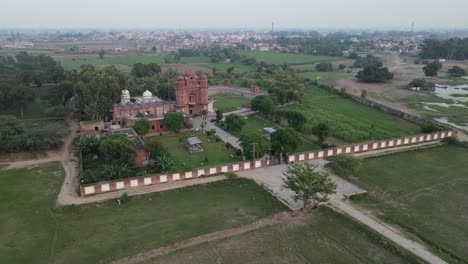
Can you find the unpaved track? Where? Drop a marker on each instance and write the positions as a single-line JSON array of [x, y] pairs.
[[264, 222], [385, 230]]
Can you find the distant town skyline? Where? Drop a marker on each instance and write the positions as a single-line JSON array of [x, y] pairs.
[[219, 14]]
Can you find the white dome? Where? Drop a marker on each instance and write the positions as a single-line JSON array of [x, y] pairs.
[[147, 94], [125, 92]]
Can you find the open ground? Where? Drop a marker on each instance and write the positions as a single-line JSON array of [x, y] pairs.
[[425, 193]]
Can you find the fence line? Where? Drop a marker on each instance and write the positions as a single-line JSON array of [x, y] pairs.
[[115, 185]]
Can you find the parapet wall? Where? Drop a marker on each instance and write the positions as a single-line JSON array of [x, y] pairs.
[[371, 146], [110, 186]]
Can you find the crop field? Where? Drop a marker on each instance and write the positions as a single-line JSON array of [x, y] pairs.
[[228, 103], [214, 152], [123, 62], [33, 231], [287, 58], [349, 120], [323, 236], [425, 192], [238, 67]]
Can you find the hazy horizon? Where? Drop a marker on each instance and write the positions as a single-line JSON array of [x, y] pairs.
[[211, 14]]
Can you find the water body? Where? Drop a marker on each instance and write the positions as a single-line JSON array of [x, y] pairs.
[[447, 92], [444, 120]]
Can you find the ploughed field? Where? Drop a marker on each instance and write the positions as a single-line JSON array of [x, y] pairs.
[[425, 192], [34, 231]]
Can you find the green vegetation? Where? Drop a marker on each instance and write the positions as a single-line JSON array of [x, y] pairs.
[[238, 67], [228, 103], [214, 152], [323, 236], [345, 164], [425, 192], [287, 58], [327, 78], [349, 120], [33, 231], [123, 62]]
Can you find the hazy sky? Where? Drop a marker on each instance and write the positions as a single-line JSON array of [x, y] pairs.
[[107, 14]]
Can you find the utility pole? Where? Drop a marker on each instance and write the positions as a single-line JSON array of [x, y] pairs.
[[253, 151], [272, 27]]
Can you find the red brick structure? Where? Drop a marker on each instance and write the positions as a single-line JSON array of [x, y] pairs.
[[192, 97], [192, 93]]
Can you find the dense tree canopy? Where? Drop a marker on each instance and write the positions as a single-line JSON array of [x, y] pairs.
[[456, 71], [117, 149], [98, 90], [247, 142], [450, 49], [263, 104], [173, 121], [432, 69], [368, 61], [285, 140], [234, 123], [140, 70], [375, 74]]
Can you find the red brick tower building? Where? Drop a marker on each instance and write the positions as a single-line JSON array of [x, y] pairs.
[[192, 93]]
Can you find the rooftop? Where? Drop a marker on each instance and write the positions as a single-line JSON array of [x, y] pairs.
[[193, 141]]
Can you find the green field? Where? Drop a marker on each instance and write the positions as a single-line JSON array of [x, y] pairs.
[[327, 78], [321, 237], [123, 62], [32, 231], [349, 120], [216, 152], [425, 192], [227, 102], [287, 58], [238, 67]]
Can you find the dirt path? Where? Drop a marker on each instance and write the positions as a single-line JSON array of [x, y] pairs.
[[264, 222], [386, 230]]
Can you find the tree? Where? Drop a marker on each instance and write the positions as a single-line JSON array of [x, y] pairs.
[[368, 61], [142, 127], [154, 49], [341, 67], [117, 149], [101, 54], [324, 67], [308, 183], [88, 145], [375, 74], [285, 140], [173, 121], [263, 103], [429, 127], [234, 123], [456, 71], [117, 171], [98, 90], [164, 163], [295, 119], [247, 142], [345, 164], [321, 130], [219, 115], [141, 70], [156, 148], [432, 69], [422, 84]]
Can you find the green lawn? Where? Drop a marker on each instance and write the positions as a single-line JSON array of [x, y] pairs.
[[349, 120], [32, 231], [216, 152], [287, 58], [227, 102], [425, 192], [321, 237]]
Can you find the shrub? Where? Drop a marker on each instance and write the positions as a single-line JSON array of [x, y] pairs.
[[142, 127], [217, 138], [228, 145], [451, 141], [124, 198], [238, 152], [188, 125], [56, 111], [324, 67], [231, 175], [429, 127], [156, 148], [456, 71], [364, 93], [422, 84], [211, 132], [345, 164]]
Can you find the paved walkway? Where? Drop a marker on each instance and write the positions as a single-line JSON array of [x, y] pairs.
[[225, 136], [272, 179]]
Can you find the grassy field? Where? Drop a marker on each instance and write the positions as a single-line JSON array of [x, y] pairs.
[[216, 152], [425, 192], [238, 67], [124, 62], [32, 231], [324, 77], [349, 120], [287, 58], [228, 103], [321, 237]]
